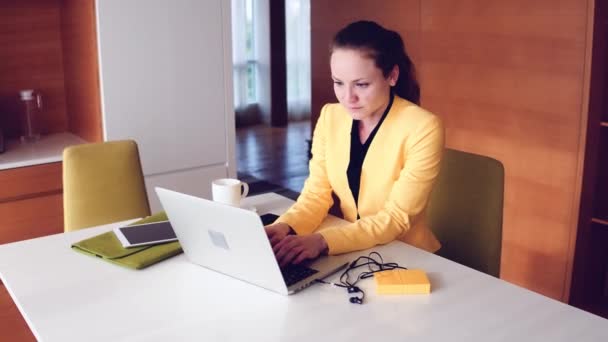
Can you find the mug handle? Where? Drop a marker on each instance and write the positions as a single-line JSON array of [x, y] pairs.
[[245, 189]]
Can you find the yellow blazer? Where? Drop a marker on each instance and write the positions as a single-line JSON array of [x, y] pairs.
[[397, 176]]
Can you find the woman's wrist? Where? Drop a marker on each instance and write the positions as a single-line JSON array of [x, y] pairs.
[[287, 230], [322, 243]]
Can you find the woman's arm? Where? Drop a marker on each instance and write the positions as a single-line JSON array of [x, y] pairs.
[[315, 200], [408, 197]]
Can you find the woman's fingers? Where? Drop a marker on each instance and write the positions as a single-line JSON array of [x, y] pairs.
[[296, 249], [290, 255], [280, 248], [274, 234], [306, 254], [274, 239], [277, 246], [289, 245], [285, 241]]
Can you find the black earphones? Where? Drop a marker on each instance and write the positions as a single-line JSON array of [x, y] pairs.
[[353, 289], [354, 298], [356, 295]]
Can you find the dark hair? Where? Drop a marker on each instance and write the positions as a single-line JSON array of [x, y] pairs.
[[387, 49]]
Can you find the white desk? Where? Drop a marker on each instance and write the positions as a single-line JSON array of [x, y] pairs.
[[67, 296]]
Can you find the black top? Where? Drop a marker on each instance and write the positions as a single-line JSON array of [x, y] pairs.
[[358, 152]]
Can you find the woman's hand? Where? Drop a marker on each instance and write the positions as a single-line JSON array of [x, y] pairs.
[[295, 249], [277, 232]]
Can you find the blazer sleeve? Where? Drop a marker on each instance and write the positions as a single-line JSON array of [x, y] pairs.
[[315, 200], [408, 196]]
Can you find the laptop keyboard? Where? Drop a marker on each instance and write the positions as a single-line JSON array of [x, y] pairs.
[[294, 273]]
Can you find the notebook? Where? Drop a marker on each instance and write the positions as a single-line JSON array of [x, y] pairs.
[[232, 241]]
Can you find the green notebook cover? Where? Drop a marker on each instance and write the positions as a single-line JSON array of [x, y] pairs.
[[107, 247]]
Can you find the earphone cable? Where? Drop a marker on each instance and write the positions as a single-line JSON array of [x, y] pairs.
[[373, 266]]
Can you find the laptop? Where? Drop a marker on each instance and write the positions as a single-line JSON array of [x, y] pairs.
[[232, 241]]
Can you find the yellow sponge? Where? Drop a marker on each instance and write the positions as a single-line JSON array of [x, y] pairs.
[[402, 282]]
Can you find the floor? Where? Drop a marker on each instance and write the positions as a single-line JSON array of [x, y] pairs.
[[274, 154]]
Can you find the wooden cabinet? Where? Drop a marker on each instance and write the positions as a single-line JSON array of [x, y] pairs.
[[12, 324], [30, 202], [50, 46]]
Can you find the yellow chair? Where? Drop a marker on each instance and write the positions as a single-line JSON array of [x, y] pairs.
[[465, 210], [102, 183]]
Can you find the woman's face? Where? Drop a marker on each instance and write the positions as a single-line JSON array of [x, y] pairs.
[[360, 85]]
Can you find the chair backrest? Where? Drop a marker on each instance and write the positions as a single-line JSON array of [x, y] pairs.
[[102, 183], [465, 210]]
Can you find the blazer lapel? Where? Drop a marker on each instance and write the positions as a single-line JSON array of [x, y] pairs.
[[374, 156], [342, 157]]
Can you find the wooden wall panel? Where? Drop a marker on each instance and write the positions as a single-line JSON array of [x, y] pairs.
[[31, 57], [31, 202], [507, 78], [81, 66], [327, 17]]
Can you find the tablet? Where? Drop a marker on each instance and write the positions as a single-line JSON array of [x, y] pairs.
[[145, 234]]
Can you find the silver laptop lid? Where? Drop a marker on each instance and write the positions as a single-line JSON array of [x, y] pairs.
[[222, 238]]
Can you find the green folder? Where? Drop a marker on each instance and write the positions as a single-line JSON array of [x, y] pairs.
[[107, 247]]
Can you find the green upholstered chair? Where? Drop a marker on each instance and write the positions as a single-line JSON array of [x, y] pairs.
[[465, 210], [102, 183]]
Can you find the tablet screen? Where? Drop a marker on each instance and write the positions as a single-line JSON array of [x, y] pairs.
[[148, 233]]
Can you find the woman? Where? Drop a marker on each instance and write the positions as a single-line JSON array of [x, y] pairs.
[[376, 150]]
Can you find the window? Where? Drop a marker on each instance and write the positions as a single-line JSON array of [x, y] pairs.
[[297, 14], [244, 54]]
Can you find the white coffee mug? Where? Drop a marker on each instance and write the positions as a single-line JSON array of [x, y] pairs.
[[228, 191]]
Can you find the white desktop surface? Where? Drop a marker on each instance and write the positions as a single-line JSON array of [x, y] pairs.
[[67, 296]]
